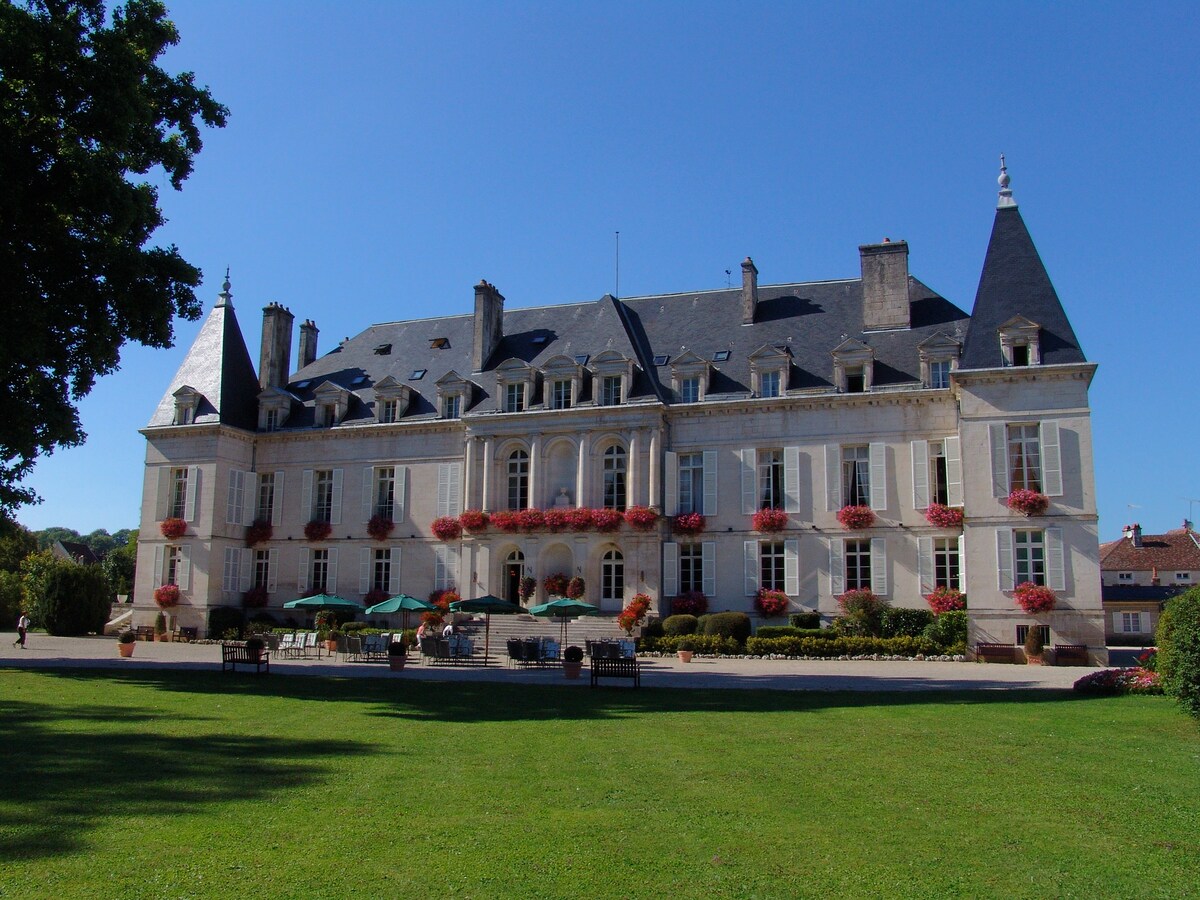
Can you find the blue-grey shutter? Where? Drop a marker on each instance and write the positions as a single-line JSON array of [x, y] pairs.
[[670, 573], [1052, 474], [998, 436]]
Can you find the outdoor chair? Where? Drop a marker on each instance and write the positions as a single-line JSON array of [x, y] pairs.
[[354, 647]]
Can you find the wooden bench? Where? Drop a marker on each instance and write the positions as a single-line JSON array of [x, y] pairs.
[[234, 654], [603, 667], [144, 632], [996, 653], [188, 635], [1070, 654]]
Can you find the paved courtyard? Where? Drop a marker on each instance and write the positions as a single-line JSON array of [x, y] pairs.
[[710, 673]]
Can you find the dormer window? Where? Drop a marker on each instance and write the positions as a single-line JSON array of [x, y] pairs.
[[389, 410], [689, 390], [274, 406], [689, 377], [856, 379], [271, 420], [563, 379], [515, 384], [187, 400], [514, 397], [610, 390], [769, 367], [853, 367], [1020, 355], [613, 378], [768, 384], [331, 403], [939, 357], [939, 374], [1019, 342], [391, 399], [453, 395], [439, 343], [452, 406], [560, 393]]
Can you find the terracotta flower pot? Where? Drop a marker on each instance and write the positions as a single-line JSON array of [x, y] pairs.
[[396, 663], [572, 669], [126, 650], [684, 655], [331, 646]]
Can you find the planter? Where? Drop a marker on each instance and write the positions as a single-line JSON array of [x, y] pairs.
[[126, 650], [684, 655], [1034, 660], [572, 669], [331, 646], [396, 663]]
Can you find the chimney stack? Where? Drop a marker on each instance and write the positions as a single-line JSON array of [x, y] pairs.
[[275, 358], [308, 343], [489, 323], [1134, 533], [749, 291], [885, 285]]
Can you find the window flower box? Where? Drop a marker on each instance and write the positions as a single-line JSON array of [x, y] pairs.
[[771, 603], [580, 519], [255, 598], [556, 519], [506, 520], [1027, 502], [607, 520], [172, 528], [770, 520], [317, 531], [373, 596], [946, 600], [690, 603], [379, 527], [530, 520], [1034, 598], [166, 595], [856, 518], [556, 584], [474, 520], [688, 523], [258, 532], [446, 528], [941, 516], [641, 518]]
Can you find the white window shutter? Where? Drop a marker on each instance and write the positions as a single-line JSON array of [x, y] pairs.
[[401, 496], [750, 565], [925, 564], [998, 435], [277, 500], [193, 485], [233, 504], [954, 471], [443, 488], [837, 569], [455, 499], [335, 515], [272, 571], [877, 452], [671, 485], [670, 573], [306, 510], [1052, 474], [364, 570], [250, 507], [833, 478], [164, 493], [749, 469], [394, 575], [368, 493], [1056, 574], [228, 579], [920, 474], [247, 569], [708, 558], [302, 571], [440, 567], [791, 568], [183, 574], [159, 560], [791, 479], [879, 579], [1004, 559], [962, 563], [710, 482], [331, 585]]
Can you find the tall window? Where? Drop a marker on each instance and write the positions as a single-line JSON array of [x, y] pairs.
[[768, 384], [770, 479], [770, 568], [389, 410], [320, 572], [518, 480], [689, 390], [385, 492], [945, 562], [612, 576], [939, 482], [173, 558], [858, 565], [560, 395], [514, 397], [1029, 548], [452, 406], [262, 568], [691, 568], [614, 478], [178, 505], [264, 507], [1024, 457], [323, 495], [691, 482], [381, 570], [856, 476], [939, 374], [271, 420], [610, 390], [856, 380]]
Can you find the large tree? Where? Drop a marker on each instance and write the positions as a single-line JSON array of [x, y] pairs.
[[84, 111]]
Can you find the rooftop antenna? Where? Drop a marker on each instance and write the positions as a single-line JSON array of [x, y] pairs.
[[617, 278], [1190, 502], [728, 283]]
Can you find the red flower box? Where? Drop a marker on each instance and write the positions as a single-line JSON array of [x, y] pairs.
[[690, 603], [317, 531], [641, 518], [688, 523], [943, 516], [946, 600], [474, 520], [856, 518], [556, 584], [166, 595], [771, 603], [506, 520], [580, 519], [1034, 598], [172, 528], [607, 520], [556, 519], [770, 520], [1027, 502], [446, 528], [380, 527], [258, 532], [530, 520]]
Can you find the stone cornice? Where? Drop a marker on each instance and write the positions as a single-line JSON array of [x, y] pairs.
[[1014, 374]]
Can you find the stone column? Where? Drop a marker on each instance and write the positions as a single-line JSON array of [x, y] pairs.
[[581, 472], [633, 472], [655, 497], [486, 500], [535, 471]]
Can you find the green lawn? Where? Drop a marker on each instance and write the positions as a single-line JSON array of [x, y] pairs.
[[188, 784]]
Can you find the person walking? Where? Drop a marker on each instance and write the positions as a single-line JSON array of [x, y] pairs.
[[22, 628]]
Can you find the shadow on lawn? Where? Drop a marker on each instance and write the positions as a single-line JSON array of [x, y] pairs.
[[66, 769]]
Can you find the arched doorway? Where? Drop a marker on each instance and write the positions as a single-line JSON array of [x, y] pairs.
[[514, 571], [612, 580]]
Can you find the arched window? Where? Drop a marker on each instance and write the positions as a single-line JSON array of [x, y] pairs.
[[518, 480], [612, 576], [614, 477]]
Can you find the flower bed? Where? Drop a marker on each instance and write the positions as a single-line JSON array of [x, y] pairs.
[[943, 516], [446, 528], [855, 518], [607, 520], [474, 520], [379, 527], [258, 532], [1107, 682], [771, 603], [1027, 502], [689, 603], [688, 523], [1034, 598], [641, 518], [556, 584], [770, 520], [172, 528], [946, 599], [166, 595], [317, 531]]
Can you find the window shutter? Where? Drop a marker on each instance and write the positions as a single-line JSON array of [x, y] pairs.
[[302, 572], [183, 574], [920, 474], [250, 506], [401, 496], [954, 471], [877, 452], [1052, 475], [833, 478], [962, 564], [708, 559], [925, 564], [272, 571], [1117, 623], [791, 568], [440, 568], [394, 575], [277, 500], [671, 485], [193, 485], [837, 569], [456, 487], [443, 495], [247, 569], [1004, 559], [164, 494], [306, 509], [158, 564], [791, 479], [998, 435], [670, 573], [879, 579], [228, 580], [331, 585], [335, 515], [364, 570], [749, 481], [750, 565], [233, 504], [710, 482], [1056, 575], [368, 493]]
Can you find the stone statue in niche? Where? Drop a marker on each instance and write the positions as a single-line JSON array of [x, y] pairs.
[[563, 499]]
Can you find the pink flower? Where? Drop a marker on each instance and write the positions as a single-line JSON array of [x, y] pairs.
[[1034, 598], [855, 518], [943, 516], [769, 520], [688, 523], [447, 528], [1027, 502]]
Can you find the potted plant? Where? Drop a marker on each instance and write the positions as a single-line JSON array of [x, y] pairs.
[[160, 626], [473, 520], [946, 599], [684, 650], [166, 595], [634, 613], [331, 640], [126, 641], [397, 656], [572, 661], [172, 528], [255, 645], [317, 531], [1027, 502], [771, 603], [1034, 646], [447, 528], [576, 588], [379, 527], [556, 584], [688, 523], [641, 518], [941, 516], [770, 520], [506, 520], [856, 518], [526, 589], [1034, 598]]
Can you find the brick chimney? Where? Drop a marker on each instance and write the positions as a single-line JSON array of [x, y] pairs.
[[308, 343], [885, 284], [749, 291], [1134, 533], [275, 358], [489, 323]]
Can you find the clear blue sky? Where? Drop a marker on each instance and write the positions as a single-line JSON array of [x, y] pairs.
[[382, 157]]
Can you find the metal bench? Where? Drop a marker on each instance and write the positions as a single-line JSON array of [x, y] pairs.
[[234, 654], [1070, 654], [996, 653], [605, 667]]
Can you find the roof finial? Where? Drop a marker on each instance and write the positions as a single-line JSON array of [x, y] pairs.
[[225, 298], [1006, 197]]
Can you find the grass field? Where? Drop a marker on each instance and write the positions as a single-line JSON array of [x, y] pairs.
[[194, 784]]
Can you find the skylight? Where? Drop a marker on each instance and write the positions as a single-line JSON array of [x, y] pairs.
[[539, 339], [439, 343], [581, 359], [721, 356], [661, 359], [417, 375], [301, 385], [383, 349], [358, 379]]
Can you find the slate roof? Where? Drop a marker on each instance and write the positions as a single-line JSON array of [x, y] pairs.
[[1140, 593], [75, 550], [1176, 550], [1015, 282]]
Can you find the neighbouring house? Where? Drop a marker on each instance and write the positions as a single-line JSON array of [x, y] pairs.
[[75, 552], [803, 397], [1139, 573]]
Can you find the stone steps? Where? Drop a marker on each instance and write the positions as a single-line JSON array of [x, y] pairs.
[[587, 628]]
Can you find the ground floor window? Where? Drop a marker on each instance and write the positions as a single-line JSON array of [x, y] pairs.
[[858, 565], [691, 568], [319, 575]]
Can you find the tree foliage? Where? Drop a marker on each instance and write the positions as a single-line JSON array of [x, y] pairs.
[[75, 600], [84, 111], [120, 564], [1178, 660], [16, 542]]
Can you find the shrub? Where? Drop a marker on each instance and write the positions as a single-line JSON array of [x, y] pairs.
[[1034, 645], [446, 528], [160, 623], [773, 631], [771, 603], [770, 520], [843, 645], [899, 622], [317, 531], [10, 597], [573, 654], [734, 625], [1034, 598], [255, 645], [948, 629], [1178, 659], [856, 518], [690, 603], [223, 619], [1027, 502], [397, 648], [1108, 682], [126, 637], [810, 619], [945, 599], [653, 628], [862, 613], [679, 624], [712, 644], [76, 600]]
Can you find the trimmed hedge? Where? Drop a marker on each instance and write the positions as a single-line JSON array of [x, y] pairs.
[[1178, 660], [847, 645], [774, 631], [680, 624], [734, 625], [76, 600], [653, 628], [901, 622], [223, 619], [805, 620], [713, 645], [948, 629]]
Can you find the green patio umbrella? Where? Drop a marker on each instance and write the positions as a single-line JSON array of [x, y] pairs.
[[323, 601], [487, 604], [564, 608], [401, 603]]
